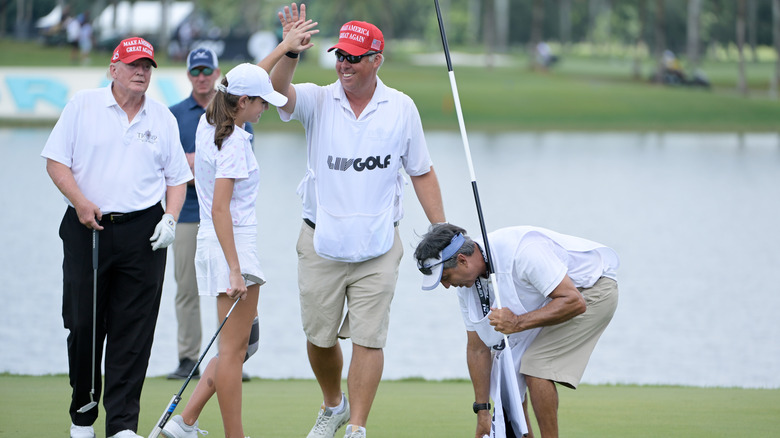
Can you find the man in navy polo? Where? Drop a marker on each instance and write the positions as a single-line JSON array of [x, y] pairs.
[[203, 72]]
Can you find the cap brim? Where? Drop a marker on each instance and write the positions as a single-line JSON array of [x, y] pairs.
[[129, 59], [350, 48], [432, 280], [275, 98]]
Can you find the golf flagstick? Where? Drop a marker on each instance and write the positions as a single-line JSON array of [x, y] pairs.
[[158, 427], [506, 354]]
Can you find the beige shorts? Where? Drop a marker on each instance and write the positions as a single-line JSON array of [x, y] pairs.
[[561, 352], [366, 287]]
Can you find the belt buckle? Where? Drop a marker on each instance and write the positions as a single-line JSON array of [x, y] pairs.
[[115, 216]]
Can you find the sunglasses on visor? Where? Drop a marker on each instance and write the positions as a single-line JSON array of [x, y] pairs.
[[205, 70], [426, 269], [352, 59]]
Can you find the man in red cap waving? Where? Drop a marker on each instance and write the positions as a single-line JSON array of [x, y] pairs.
[[115, 154], [361, 134]]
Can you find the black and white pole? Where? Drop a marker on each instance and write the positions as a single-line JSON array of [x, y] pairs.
[[466, 147], [506, 354]]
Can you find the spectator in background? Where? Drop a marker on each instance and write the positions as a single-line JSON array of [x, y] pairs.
[[544, 56], [72, 34], [85, 38]]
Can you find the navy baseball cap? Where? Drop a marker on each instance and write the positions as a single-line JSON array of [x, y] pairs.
[[202, 57]]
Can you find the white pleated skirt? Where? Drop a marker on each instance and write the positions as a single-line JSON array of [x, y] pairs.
[[211, 267]]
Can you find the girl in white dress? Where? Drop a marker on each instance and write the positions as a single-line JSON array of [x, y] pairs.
[[226, 260]]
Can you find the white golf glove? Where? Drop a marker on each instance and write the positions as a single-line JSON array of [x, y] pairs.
[[164, 232]]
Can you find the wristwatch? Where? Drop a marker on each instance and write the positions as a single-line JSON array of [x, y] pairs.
[[481, 407]]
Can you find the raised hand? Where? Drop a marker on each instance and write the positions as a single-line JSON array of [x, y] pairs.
[[298, 36], [290, 15]]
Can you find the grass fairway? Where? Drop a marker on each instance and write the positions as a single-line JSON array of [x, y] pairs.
[[37, 406]]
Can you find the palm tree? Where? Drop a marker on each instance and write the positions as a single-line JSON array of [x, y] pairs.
[[741, 83], [660, 38], [640, 41], [694, 24], [564, 20], [776, 38]]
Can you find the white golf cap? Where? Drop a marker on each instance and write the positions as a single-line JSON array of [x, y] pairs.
[[251, 80], [432, 268]]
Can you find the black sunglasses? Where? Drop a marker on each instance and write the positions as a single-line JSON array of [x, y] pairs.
[[426, 270], [205, 70], [352, 59]]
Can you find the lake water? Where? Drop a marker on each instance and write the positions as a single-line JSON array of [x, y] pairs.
[[694, 218]]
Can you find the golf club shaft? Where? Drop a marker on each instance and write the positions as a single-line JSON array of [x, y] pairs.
[[94, 305], [177, 397], [92, 402]]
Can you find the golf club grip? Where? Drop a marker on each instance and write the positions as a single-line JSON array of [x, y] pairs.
[[94, 249], [165, 416]]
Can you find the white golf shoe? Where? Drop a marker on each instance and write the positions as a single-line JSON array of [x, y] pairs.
[[177, 428], [127, 433], [354, 432], [81, 431], [328, 423]]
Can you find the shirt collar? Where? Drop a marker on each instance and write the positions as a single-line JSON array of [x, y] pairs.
[[380, 95]]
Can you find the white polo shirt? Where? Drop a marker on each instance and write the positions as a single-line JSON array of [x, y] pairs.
[[353, 187], [529, 263], [390, 124], [119, 165], [235, 160]]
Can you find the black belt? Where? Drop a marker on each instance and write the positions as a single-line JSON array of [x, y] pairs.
[[312, 225], [119, 218]]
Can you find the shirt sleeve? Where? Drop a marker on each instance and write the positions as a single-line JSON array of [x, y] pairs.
[[176, 169], [539, 265], [417, 160], [59, 146], [305, 102]]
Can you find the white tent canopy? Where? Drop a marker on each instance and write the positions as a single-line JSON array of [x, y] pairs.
[[140, 18]]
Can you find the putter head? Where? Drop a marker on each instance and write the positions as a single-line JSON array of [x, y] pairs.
[[87, 407], [253, 278]]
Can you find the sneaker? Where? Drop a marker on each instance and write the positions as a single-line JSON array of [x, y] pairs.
[[177, 428], [127, 433], [185, 366], [81, 431], [354, 432], [328, 423]]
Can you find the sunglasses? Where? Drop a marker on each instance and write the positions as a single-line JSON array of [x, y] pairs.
[[352, 59], [426, 270], [205, 70]]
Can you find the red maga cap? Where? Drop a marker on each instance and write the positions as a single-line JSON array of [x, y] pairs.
[[359, 37], [132, 49]]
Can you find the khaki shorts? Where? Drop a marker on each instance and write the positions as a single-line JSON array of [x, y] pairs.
[[367, 287], [561, 352]]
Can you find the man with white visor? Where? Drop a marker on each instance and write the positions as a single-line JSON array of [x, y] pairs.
[[558, 294]]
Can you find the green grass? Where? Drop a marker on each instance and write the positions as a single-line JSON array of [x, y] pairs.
[[37, 406], [582, 93]]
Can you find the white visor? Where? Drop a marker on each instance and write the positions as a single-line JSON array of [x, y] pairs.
[[436, 265]]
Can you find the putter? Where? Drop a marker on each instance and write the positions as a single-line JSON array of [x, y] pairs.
[[177, 397], [92, 403]]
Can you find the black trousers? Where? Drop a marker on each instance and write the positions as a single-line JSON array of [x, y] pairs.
[[129, 288]]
